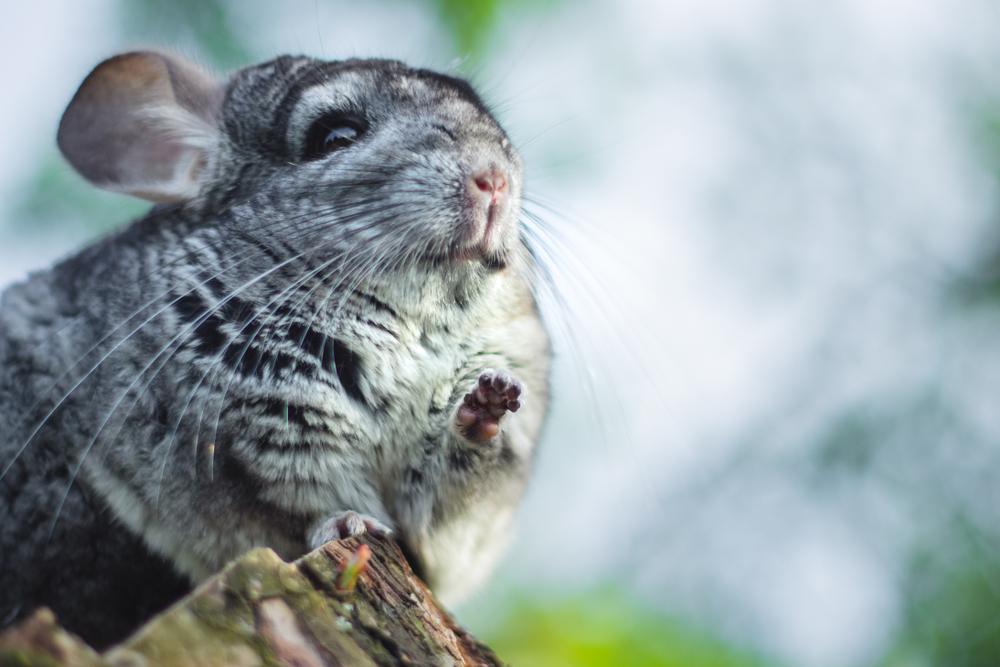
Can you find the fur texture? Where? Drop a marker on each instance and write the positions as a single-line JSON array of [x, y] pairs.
[[293, 342]]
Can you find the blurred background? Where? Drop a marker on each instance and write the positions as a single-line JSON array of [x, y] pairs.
[[776, 230]]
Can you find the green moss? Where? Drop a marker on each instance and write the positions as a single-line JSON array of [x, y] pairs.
[[25, 659]]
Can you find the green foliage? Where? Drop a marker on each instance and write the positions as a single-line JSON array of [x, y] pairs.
[[850, 444], [978, 284], [470, 23], [605, 629], [201, 25], [953, 614], [951, 588], [58, 198]]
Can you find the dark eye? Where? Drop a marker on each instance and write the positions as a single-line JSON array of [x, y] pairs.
[[330, 133]]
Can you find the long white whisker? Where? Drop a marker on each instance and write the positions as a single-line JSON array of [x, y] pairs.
[[104, 423], [41, 424]]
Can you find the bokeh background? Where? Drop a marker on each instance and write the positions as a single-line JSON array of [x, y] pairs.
[[776, 229]]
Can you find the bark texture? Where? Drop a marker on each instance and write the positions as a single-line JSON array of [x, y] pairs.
[[261, 610]]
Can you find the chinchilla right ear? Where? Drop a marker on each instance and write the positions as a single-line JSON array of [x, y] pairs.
[[145, 124]]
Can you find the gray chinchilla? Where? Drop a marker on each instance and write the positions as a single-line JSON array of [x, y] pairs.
[[321, 328]]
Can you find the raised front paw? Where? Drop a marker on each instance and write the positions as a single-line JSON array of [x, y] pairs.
[[346, 524], [478, 415]]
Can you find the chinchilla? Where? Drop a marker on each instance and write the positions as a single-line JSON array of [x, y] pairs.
[[323, 326]]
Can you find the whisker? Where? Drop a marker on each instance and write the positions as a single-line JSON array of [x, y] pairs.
[[191, 327], [169, 448], [52, 411]]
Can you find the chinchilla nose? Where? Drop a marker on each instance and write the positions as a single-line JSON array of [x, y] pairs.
[[490, 184]]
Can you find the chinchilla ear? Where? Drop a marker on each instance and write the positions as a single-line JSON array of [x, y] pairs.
[[145, 124]]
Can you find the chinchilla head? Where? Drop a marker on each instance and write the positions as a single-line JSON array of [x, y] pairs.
[[358, 162]]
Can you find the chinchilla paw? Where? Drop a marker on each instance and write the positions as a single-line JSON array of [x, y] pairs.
[[495, 394], [346, 524]]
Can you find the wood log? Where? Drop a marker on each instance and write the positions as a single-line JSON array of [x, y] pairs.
[[328, 608]]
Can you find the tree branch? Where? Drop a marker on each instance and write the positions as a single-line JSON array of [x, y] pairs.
[[327, 608]]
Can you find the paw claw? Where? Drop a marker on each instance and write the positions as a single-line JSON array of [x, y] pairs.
[[347, 524]]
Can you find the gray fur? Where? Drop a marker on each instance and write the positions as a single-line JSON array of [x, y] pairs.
[[292, 343]]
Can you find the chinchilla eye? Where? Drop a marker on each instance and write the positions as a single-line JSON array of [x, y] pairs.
[[330, 133]]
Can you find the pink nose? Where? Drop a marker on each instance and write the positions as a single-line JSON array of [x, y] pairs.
[[492, 183]]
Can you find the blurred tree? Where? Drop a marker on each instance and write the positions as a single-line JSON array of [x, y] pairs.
[[79, 208], [204, 26], [951, 606], [470, 23], [952, 584]]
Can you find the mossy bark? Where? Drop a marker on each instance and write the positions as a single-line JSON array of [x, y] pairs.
[[261, 610]]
